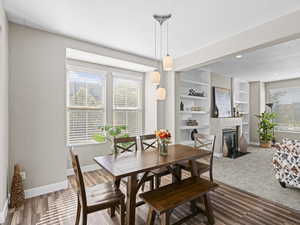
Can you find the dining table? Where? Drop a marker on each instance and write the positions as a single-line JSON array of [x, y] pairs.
[[132, 164]]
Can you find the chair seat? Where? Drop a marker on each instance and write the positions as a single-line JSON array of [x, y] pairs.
[[102, 194], [202, 167]]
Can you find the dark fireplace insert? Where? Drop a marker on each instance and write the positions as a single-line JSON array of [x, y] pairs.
[[231, 143]]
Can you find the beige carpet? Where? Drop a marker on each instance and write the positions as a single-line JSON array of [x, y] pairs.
[[254, 173]]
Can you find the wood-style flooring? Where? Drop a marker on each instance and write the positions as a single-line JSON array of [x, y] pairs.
[[231, 207]]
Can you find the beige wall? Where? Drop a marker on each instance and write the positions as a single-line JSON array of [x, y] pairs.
[[257, 106], [3, 108], [37, 95], [279, 135]]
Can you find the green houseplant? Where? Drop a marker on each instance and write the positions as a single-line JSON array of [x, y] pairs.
[[110, 132], [265, 128]]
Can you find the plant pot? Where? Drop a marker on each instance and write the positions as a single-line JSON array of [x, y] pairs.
[[266, 144]]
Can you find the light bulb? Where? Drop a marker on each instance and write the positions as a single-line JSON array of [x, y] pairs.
[[160, 93], [155, 77], [168, 63]]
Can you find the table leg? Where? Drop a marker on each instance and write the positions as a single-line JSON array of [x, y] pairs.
[[176, 174], [194, 172], [131, 199]]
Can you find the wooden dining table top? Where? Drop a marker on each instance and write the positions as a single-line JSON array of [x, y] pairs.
[[127, 164]]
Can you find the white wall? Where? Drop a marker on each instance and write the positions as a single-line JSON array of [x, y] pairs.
[[3, 112], [37, 95]]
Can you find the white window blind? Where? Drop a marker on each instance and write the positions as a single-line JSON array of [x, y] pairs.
[[127, 103], [85, 105], [286, 102]]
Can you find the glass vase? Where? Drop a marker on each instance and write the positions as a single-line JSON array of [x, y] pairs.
[[163, 149]]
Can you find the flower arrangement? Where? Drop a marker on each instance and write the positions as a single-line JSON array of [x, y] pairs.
[[163, 138]]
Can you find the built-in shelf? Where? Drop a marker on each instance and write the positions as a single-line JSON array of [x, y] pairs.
[[193, 112], [195, 82], [241, 102], [193, 97], [194, 127]]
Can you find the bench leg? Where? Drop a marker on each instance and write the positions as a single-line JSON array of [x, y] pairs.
[[165, 218], [208, 209]]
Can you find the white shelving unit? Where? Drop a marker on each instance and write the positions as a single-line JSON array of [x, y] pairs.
[[241, 102], [200, 81]]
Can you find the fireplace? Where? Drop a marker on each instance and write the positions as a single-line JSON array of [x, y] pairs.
[[231, 142]]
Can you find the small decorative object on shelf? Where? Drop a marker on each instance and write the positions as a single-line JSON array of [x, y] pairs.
[[181, 106], [196, 108], [193, 92], [192, 122], [193, 134], [163, 138], [17, 197], [234, 112], [216, 112]]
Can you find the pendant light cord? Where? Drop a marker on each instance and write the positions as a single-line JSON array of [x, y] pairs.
[[167, 37], [161, 47]]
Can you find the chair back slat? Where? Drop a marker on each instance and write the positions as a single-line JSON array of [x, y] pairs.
[[206, 142], [145, 144], [80, 188], [125, 144]]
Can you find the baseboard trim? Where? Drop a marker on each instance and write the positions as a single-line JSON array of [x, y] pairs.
[[86, 168], [218, 155], [4, 211], [42, 190]]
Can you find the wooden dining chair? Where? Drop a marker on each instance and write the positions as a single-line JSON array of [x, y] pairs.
[[125, 144], [150, 141], [129, 144], [206, 142], [97, 197]]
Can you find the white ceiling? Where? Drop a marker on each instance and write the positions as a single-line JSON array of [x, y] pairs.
[[128, 24], [278, 62]]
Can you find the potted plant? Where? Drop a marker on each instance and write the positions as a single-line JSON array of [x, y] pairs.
[[109, 133], [265, 128]]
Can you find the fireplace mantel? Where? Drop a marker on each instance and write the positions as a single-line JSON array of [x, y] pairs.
[[216, 127]]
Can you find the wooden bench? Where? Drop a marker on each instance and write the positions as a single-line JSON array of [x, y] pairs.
[[163, 200]]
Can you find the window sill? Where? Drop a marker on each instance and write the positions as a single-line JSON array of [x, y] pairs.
[[85, 144]]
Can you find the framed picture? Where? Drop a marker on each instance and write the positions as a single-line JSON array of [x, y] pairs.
[[222, 102]]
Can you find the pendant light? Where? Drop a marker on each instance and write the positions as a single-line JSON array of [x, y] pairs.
[[168, 60], [160, 93], [155, 75]]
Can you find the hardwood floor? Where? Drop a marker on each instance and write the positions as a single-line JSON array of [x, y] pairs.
[[231, 207]]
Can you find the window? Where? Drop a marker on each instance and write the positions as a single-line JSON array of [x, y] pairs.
[[127, 103], [287, 107], [99, 96], [85, 105]]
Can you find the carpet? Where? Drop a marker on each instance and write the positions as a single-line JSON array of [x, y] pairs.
[[254, 173]]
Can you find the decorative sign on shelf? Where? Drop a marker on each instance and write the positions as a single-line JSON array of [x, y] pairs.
[[194, 92]]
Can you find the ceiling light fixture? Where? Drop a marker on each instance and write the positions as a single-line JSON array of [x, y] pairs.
[[167, 62], [239, 56]]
